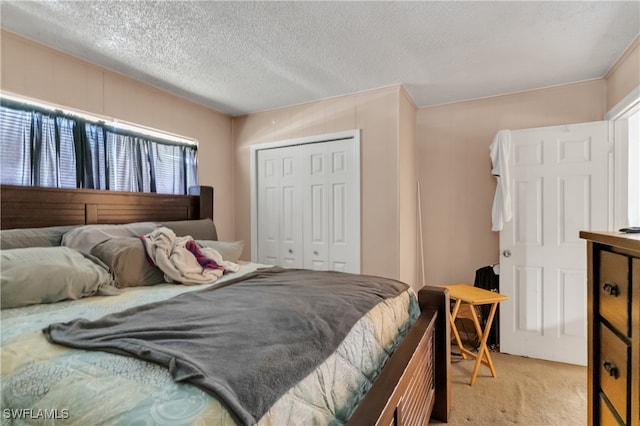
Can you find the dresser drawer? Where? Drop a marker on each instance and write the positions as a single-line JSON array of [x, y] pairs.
[[614, 290], [614, 361], [607, 418]]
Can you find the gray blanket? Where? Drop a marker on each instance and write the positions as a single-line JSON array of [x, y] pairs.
[[246, 343]]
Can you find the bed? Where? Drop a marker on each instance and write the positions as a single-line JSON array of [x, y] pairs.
[[404, 380]]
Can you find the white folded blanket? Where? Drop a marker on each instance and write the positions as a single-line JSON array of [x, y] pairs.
[[180, 265]]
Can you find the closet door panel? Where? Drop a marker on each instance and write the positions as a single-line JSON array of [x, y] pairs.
[[344, 218], [291, 236], [316, 209], [268, 207], [338, 221], [318, 231]]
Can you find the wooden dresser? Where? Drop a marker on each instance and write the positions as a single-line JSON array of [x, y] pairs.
[[614, 328]]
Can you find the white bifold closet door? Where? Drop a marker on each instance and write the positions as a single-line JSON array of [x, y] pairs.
[[309, 206], [279, 208]]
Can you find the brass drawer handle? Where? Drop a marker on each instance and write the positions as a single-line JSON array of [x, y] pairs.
[[611, 368], [611, 289]]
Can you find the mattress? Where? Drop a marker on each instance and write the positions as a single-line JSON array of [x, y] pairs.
[[42, 382]]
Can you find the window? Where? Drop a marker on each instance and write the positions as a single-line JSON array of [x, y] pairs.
[[634, 171], [43, 147], [625, 120]]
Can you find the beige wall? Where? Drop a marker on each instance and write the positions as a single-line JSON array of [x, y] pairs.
[[407, 190], [624, 76], [375, 113], [457, 186], [35, 71]]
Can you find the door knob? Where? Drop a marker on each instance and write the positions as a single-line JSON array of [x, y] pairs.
[[611, 289], [506, 253], [611, 369]]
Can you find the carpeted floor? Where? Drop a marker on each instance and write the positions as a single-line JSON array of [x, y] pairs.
[[526, 391]]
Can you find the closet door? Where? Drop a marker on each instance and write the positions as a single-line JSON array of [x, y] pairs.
[[279, 207], [316, 206], [332, 206], [291, 233], [308, 205]]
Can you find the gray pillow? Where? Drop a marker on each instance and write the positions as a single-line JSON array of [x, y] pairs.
[[128, 262], [49, 274], [84, 238], [200, 229], [230, 250], [33, 237]]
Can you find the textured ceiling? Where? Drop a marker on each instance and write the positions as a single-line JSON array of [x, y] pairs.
[[242, 57]]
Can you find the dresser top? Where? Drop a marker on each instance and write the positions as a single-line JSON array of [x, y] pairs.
[[613, 238]]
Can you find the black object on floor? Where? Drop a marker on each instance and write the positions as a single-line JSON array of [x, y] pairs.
[[487, 279]]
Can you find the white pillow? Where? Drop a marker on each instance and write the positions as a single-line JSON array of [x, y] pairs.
[[230, 250]]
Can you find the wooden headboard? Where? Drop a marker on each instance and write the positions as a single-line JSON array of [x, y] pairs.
[[35, 207]]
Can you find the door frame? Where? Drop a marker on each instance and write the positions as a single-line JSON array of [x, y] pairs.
[[253, 171]]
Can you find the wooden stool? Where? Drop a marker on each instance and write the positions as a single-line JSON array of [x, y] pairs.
[[474, 296]]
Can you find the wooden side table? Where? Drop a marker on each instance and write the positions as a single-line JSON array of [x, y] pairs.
[[474, 296]]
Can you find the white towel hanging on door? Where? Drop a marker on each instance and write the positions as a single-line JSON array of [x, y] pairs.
[[499, 151]]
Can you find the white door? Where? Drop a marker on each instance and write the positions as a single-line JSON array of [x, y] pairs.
[[559, 186], [331, 206], [308, 205], [279, 198]]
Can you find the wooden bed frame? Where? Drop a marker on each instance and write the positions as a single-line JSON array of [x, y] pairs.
[[37, 207], [414, 384]]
